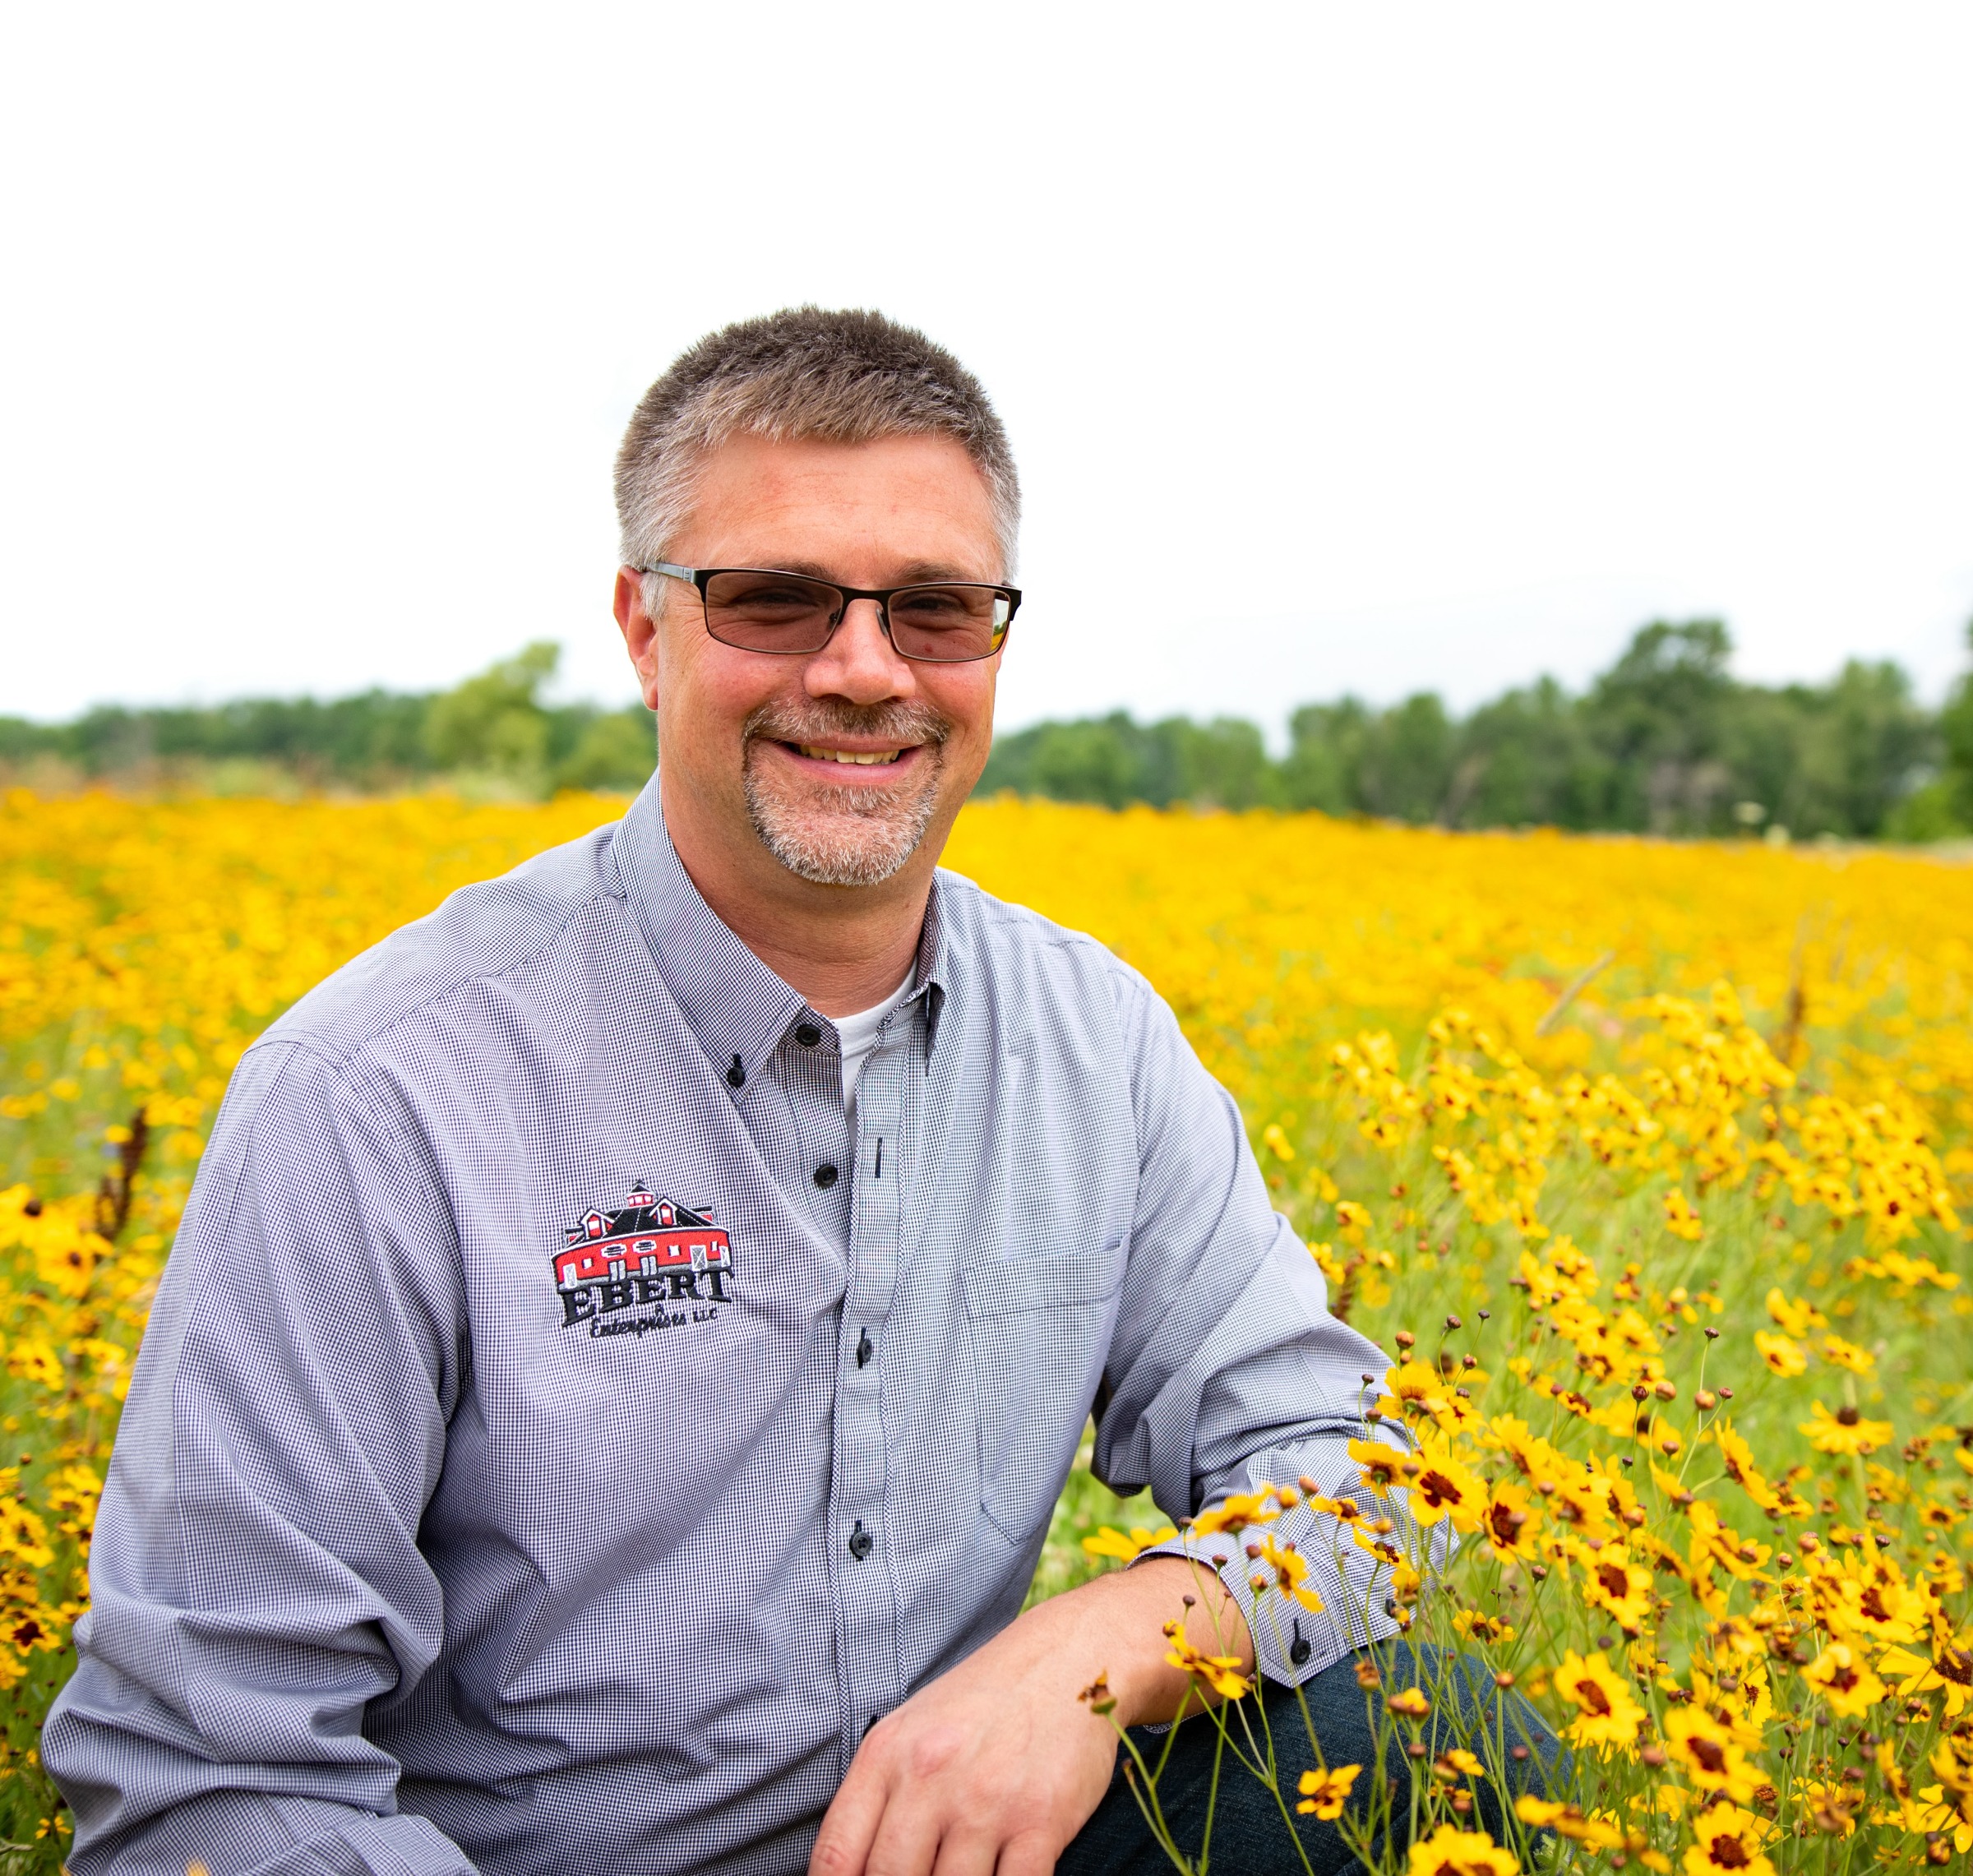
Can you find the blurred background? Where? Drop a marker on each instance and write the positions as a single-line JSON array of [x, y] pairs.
[[1538, 414]]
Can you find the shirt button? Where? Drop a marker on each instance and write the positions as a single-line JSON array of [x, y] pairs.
[[825, 1177], [807, 1035], [864, 1351], [861, 1542]]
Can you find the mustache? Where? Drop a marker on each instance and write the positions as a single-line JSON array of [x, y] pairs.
[[818, 718]]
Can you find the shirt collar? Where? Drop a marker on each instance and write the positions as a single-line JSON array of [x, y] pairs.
[[737, 1008]]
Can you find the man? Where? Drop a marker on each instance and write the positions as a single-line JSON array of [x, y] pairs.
[[630, 1328]]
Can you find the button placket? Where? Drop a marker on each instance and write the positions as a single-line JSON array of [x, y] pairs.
[[868, 1663]]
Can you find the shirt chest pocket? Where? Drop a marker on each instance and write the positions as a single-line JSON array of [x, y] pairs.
[[1041, 1330]]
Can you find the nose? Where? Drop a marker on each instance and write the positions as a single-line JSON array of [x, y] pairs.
[[859, 663]]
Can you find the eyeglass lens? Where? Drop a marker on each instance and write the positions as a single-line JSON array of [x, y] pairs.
[[783, 612]]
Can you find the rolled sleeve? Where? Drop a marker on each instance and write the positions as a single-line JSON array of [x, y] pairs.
[[257, 1581], [1228, 1371]]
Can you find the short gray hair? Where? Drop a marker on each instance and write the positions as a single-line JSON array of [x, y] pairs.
[[802, 374]]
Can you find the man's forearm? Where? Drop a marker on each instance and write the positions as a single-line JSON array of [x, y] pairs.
[[1114, 1626]]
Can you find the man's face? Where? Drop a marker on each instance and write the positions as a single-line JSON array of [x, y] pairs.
[[844, 763]]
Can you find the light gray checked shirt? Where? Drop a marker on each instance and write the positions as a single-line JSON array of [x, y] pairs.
[[559, 1436]]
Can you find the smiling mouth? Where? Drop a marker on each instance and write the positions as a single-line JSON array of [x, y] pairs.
[[862, 759]]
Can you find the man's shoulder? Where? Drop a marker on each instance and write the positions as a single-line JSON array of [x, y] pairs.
[[478, 932]]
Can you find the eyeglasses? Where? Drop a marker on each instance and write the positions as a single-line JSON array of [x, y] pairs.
[[789, 615]]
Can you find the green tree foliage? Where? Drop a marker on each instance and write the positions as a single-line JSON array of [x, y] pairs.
[[1114, 759], [1666, 741], [494, 727], [1955, 728]]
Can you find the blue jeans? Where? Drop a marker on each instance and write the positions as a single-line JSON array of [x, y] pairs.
[[1250, 1837]]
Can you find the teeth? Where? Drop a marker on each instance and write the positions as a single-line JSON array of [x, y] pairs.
[[846, 755]]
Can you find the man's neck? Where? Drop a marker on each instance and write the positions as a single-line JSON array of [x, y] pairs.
[[843, 948]]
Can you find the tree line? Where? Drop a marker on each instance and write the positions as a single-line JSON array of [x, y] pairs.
[[494, 728], [1666, 741]]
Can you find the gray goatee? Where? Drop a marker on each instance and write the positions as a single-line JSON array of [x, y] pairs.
[[849, 836]]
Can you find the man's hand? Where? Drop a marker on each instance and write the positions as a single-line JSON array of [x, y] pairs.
[[992, 1768]]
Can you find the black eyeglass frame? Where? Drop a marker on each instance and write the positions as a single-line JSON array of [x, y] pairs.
[[702, 576]]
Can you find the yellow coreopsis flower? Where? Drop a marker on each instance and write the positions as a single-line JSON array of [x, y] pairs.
[[1714, 1758], [1727, 1841], [1444, 1488], [1845, 1432], [1381, 1467], [1783, 1356], [1847, 1355], [1844, 1680], [1324, 1794], [1109, 1543], [1740, 1468], [1290, 1572], [1416, 1384], [1606, 1714], [1566, 1820], [1237, 1513], [1475, 1625], [1510, 1521], [1793, 1319], [1612, 1582], [1949, 1670], [1451, 1851], [1222, 1673], [1681, 1219]]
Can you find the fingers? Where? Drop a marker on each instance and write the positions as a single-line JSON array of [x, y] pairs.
[[1030, 1854], [849, 1826]]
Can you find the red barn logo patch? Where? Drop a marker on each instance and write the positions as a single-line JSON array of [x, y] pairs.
[[669, 1263]]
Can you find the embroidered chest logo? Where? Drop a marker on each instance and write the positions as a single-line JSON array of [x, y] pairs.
[[650, 1265]]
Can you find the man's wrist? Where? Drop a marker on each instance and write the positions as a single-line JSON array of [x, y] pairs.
[[1118, 1621]]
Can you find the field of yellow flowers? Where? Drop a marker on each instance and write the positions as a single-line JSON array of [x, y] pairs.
[[1646, 1163]]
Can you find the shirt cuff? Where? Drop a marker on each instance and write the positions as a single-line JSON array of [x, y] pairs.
[[1291, 1643]]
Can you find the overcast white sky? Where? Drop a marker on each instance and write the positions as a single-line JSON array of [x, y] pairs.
[[1343, 347]]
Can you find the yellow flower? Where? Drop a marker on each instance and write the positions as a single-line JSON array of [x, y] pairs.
[[1222, 1673], [1324, 1794], [1476, 1626], [1451, 1851], [1415, 1384], [1237, 1513], [1611, 1581], [1950, 1668], [1793, 1319], [1606, 1713], [1845, 1432], [1565, 1820], [1352, 1219], [1845, 1682], [1109, 1543], [1783, 1357], [1410, 1701], [1738, 1458], [1715, 1542], [1833, 1808], [1847, 1355], [1510, 1521], [1381, 1467], [1680, 1219], [1444, 1488], [1714, 1758], [1291, 1570], [1727, 1842]]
